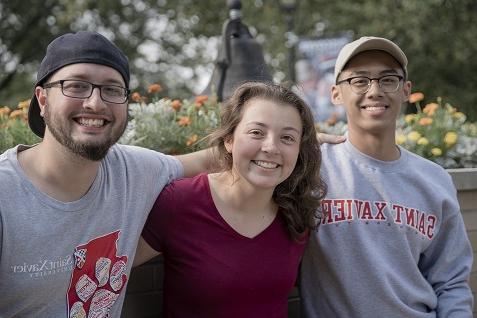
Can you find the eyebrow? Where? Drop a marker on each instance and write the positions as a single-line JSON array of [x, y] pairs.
[[84, 77], [384, 72], [263, 125]]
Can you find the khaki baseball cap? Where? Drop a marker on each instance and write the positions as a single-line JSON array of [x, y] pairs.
[[368, 43]]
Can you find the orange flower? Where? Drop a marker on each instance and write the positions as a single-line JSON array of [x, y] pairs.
[[333, 119], [425, 121], [154, 88], [136, 97], [17, 113], [192, 140], [5, 110], [174, 152], [430, 109], [24, 104], [416, 97], [176, 105], [184, 121], [200, 100]]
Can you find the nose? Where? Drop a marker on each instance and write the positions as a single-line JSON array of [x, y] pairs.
[[270, 145], [94, 102]]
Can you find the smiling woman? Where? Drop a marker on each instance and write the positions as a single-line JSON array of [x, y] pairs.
[[241, 222]]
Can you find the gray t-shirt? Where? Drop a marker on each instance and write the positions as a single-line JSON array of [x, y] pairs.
[[73, 259]]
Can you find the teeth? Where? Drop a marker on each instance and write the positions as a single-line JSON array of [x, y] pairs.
[[375, 108], [264, 164], [91, 122]]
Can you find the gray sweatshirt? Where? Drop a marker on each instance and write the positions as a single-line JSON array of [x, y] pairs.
[[392, 242]]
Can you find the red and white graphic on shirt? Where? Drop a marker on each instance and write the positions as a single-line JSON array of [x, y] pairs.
[[98, 277]]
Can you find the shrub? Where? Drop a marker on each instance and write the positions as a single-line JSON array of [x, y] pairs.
[[171, 126]]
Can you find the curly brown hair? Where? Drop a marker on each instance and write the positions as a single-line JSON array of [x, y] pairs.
[[299, 196]]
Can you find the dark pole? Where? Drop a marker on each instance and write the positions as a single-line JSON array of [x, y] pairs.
[[291, 49], [235, 7], [288, 8]]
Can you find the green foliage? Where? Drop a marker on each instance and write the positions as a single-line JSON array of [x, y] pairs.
[[172, 42], [14, 129], [17, 132], [437, 132], [438, 36]]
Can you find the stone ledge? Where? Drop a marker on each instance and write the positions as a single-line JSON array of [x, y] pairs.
[[464, 178]]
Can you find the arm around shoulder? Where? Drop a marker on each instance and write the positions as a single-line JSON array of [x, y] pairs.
[[197, 162]]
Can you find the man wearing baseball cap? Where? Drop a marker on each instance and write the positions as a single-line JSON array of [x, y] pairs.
[[72, 207], [391, 240]]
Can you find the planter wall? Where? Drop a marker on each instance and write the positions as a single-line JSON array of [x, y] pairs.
[[465, 181], [144, 291]]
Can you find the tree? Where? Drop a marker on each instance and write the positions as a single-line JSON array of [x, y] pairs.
[[164, 42], [438, 37], [175, 42]]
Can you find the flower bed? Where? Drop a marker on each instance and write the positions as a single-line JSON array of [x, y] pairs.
[[171, 126], [14, 127], [438, 131]]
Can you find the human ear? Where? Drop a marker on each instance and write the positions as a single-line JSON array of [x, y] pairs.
[[40, 95], [406, 90], [228, 142], [336, 97]]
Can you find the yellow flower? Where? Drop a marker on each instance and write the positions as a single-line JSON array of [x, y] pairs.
[[458, 115], [184, 121], [436, 152], [450, 138], [192, 140], [430, 109], [409, 118], [425, 121], [413, 135], [154, 88], [423, 141], [24, 104], [416, 97], [400, 139], [451, 110], [176, 105]]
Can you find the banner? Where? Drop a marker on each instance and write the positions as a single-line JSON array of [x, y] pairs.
[[315, 74]]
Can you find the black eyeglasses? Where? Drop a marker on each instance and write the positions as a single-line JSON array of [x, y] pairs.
[[361, 84], [82, 89]]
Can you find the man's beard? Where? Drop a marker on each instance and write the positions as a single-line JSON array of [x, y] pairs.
[[90, 151]]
